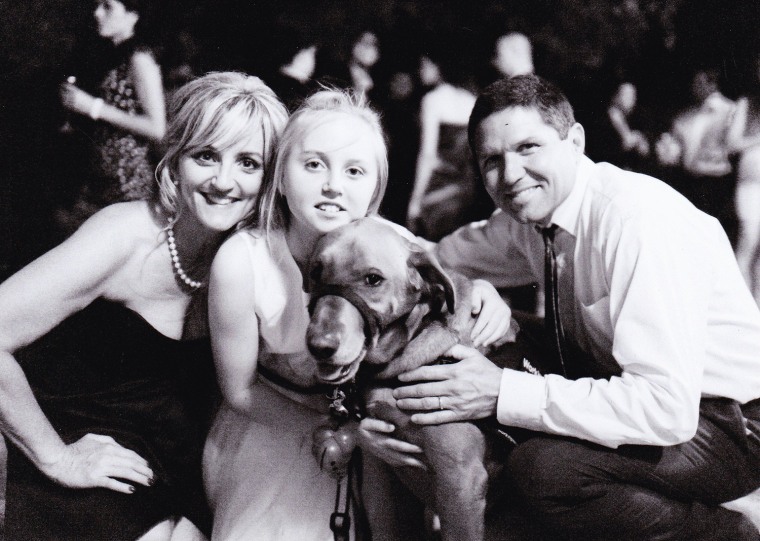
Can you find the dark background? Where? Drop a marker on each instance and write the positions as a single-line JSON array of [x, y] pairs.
[[584, 45]]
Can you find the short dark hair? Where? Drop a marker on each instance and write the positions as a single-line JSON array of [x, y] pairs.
[[523, 91]]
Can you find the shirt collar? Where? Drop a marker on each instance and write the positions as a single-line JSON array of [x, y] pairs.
[[567, 214]]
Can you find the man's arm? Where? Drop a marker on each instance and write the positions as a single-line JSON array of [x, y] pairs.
[[659, 283], [495, 250]]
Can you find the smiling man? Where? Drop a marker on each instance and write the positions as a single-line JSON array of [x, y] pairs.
[[660, 421]]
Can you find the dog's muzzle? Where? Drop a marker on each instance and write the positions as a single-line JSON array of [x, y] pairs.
[[372, 322]]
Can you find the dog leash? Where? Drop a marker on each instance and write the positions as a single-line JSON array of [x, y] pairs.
[[340, 521], [335, 449]]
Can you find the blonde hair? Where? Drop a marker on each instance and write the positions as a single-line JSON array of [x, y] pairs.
[[273, 209], [219, 109]]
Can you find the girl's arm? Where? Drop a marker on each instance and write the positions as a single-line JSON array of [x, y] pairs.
[[151, 124], [32, 302], [233, 323]]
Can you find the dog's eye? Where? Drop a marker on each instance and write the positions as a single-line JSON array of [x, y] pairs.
[[373, 280]]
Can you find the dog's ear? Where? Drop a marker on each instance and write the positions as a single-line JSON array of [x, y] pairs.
[[431, 272]]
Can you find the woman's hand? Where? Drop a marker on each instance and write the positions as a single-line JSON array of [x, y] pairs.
[[493, 325], [75, 99], [97, 461], [374, 439]]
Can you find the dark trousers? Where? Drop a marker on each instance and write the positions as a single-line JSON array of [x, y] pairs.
[[582, 491]]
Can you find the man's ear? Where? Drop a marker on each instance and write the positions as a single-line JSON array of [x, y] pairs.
[[577, 136], [431, 272]]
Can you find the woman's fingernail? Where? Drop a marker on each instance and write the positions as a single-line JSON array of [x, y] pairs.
[[131, 488]]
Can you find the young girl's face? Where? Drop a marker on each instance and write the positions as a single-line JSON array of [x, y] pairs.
[[331, 174]]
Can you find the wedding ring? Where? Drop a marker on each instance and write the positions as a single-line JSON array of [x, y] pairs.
[[440, 406]]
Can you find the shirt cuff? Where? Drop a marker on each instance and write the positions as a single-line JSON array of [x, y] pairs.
[[522, 399]]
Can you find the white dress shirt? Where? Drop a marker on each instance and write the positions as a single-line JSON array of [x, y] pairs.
[[649, 284]]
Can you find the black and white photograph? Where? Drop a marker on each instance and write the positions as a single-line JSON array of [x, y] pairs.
[[393, 270]]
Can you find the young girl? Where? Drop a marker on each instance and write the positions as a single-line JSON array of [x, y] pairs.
[[261, 477], [106, 377]]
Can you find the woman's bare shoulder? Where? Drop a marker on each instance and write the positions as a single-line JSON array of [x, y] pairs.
[[127, 222]]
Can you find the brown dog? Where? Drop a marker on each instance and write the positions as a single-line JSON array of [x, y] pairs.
[[382, 306]]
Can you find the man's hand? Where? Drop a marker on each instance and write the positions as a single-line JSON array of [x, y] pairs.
[[462, 391]]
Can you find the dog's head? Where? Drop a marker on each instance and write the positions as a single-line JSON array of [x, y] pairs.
[[363, 278]]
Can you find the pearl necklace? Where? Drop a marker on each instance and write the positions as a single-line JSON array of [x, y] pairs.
[[189, 282]]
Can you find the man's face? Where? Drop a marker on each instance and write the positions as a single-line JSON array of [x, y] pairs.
[[528, 169]]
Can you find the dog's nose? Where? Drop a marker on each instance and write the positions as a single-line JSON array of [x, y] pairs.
[[323, 347]]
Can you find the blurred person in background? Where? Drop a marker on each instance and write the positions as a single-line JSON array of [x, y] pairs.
[[350, 63], [511, 54], [696, 147], [128, 110], [621, 136], [446, 192], [744, 143], [292, 80]]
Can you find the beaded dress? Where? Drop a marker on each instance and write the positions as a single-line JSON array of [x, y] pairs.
[[122, 159]]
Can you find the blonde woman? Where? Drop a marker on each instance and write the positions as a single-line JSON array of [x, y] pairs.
[[107, 377]]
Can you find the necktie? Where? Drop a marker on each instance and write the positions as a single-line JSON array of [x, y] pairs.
[[552, 320]]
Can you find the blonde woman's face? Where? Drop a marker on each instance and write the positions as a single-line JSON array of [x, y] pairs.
[[331, 174], [220, 186]]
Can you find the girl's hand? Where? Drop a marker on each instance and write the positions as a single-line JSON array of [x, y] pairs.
[[99, 461], [75, 99], [374, 439], [494, 323]]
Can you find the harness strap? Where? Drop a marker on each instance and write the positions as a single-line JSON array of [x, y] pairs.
[[274, 377], [372, 323]]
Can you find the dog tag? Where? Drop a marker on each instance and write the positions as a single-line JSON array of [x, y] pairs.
[[336, 406]]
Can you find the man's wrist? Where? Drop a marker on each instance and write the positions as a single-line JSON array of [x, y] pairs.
[[522, 399]]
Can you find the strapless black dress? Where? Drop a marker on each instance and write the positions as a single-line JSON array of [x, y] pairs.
[[105, 370]]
